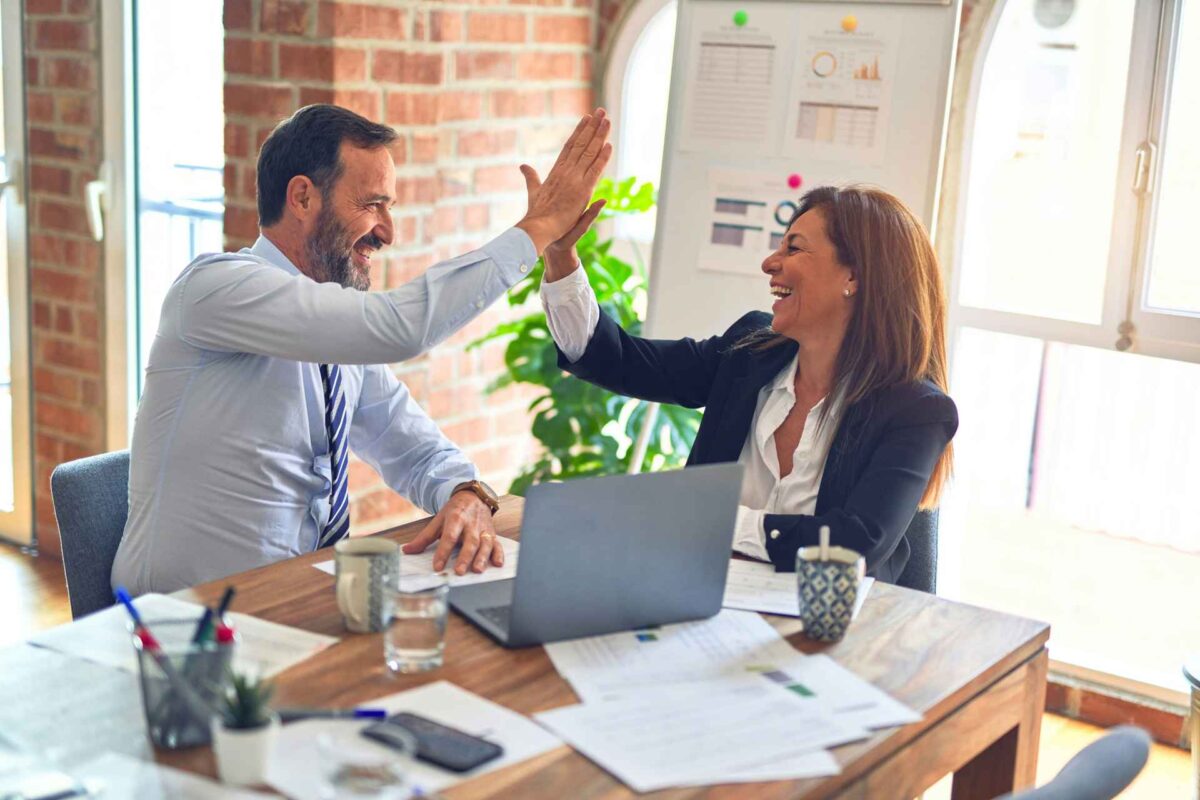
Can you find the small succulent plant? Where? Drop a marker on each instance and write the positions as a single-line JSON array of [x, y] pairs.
[[246, 703]]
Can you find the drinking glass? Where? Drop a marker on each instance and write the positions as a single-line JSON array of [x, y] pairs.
[[416, 635]]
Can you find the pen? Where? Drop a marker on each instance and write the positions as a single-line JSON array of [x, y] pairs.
[[226, 599], [203, 627], [152, 647], [295, 714]]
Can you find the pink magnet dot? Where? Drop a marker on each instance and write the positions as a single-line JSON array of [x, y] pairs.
[[794, 181]]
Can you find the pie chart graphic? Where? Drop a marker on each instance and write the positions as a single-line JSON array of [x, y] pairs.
[[823, 64]]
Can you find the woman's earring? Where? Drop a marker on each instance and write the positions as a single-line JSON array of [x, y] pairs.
[[846, 292]]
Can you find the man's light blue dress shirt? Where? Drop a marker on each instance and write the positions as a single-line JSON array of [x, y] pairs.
[[230, 458]]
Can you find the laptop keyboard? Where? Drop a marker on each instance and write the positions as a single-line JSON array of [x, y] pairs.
[[497, 615]]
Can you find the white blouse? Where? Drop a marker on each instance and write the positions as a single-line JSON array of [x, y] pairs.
[[572, 315]]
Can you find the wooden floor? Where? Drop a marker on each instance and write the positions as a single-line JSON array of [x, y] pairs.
[[33, 596]]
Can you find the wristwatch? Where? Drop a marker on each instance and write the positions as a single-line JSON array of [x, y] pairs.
[[482, 491]]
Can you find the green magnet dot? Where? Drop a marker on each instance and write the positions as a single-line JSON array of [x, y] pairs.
[[740, 18]]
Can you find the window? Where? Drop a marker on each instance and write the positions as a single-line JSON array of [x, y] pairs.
[[1075, 310], [637, 84], [164, 185], [179, 168]]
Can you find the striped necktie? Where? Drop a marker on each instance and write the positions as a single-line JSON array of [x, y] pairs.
[[335, 425]]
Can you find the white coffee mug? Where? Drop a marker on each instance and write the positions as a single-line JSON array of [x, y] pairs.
[[367, 571]]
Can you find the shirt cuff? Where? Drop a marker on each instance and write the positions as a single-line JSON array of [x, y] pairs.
[[513, 252], [748, 536], [566, 288], [442, 493]]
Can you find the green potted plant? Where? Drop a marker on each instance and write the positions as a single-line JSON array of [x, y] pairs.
[[244, 733], [585, 430]]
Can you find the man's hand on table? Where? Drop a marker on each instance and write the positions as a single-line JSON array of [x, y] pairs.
[[467, 521]]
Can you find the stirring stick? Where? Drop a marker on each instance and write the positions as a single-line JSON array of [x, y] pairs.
[[824, 534]]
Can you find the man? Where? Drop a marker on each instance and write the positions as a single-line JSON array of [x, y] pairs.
[[266, 366]]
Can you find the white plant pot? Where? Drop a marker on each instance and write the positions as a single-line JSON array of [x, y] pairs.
[[244, 755]]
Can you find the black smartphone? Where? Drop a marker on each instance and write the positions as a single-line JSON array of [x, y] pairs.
[[436, 743]]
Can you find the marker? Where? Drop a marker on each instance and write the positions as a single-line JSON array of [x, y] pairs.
[[295, 714], [795, 181], [740, 18], [849, 23]]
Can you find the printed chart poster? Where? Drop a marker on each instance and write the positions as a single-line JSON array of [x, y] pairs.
[[746, 217], [734, 87], [842, 86]]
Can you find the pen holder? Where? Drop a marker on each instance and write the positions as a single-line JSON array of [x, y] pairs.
[[828, 590], [183, 684]]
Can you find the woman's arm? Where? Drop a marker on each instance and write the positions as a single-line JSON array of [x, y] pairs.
[[883, 501], [593, 347]]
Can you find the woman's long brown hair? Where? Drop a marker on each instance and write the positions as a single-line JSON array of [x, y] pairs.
[[897, 331]]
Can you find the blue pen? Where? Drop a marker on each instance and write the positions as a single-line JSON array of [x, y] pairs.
[[295, 714]]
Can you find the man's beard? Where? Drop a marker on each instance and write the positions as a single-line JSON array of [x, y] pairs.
[[330, 253]]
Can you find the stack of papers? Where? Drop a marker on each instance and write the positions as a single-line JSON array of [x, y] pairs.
[[416, 571], [264, 648], [307, 753], [722, 700], [755, 586]]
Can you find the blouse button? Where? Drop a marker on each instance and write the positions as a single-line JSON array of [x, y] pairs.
[[775, 534]]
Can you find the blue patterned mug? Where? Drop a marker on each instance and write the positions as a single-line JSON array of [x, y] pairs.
[[368, 571], [828, 590]]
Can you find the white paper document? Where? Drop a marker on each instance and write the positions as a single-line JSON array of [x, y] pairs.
[[736, 730], [730, 644], [842, 84], [755, 586], [264, 648], [746, 217], [308, 752], [416, 571], [732, 95], [821, 680], [121, 776]]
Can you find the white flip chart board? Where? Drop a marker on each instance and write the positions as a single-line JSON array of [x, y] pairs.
[[771, 98]]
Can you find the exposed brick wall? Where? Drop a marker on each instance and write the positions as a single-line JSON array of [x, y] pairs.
[[66, 277], [474, 89]]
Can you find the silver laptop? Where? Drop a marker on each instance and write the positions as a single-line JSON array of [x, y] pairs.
[[608, 554]]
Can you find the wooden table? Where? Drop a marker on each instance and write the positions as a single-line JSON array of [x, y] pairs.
[[977, 676]]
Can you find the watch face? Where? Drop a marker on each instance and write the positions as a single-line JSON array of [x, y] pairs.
[[491, 492]]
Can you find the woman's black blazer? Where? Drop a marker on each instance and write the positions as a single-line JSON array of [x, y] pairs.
[[879, 463]]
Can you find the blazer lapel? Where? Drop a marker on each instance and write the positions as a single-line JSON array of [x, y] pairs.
[[735, 411]]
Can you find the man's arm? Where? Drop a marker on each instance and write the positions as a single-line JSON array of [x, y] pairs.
[[395, 436], [247, 307], [244, 306]]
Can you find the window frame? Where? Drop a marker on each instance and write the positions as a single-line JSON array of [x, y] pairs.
[[18, 526], [119, 236], [1172, 335]]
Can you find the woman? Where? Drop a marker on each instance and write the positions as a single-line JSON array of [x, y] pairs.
[[835, 403]]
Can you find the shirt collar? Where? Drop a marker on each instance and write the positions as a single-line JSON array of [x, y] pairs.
[[264, 248], [785, 379]]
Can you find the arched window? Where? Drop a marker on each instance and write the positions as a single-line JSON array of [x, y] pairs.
[[637, 84]]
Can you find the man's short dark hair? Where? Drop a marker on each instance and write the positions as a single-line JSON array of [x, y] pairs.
[[307, 143]]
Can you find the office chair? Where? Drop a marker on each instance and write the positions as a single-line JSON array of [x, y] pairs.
[[91, 503], [920, 572], [1099, 771]]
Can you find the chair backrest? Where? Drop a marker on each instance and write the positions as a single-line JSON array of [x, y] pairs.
[[91, 503], [921, 571], [1099, 771]]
